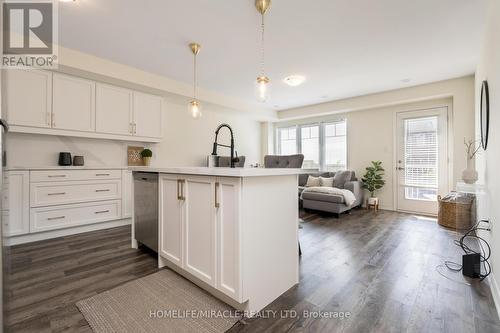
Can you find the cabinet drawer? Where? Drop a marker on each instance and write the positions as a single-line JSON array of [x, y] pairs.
[[70, 175], [58, 217], [47, 194]]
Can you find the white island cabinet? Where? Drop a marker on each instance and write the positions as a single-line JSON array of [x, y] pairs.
[[234, 232]]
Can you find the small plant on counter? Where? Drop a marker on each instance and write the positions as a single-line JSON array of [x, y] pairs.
[[146, 156], [372, 180]]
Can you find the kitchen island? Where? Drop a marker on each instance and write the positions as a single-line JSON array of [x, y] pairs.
[[233, 232]]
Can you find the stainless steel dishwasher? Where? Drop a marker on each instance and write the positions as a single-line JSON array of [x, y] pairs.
[[146, 209]]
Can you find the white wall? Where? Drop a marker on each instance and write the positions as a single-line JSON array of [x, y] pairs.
[[186, 141], [370, 121], [488, 163]]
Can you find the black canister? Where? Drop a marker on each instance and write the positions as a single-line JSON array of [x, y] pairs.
[[78, 160], [64, 159]]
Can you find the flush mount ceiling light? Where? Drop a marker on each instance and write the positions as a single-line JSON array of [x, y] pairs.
[[262, 83], [294, 80], [194, 105]]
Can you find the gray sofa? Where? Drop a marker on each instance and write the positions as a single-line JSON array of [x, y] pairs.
[[329, 202]]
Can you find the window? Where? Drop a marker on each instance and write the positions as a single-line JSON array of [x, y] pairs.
[[287, 140], [309, 136], [421, 158], [324, 145]]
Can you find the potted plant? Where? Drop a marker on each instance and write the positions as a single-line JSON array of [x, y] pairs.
[[146, 156], [373, 181]]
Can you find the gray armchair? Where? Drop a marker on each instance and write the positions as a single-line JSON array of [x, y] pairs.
[[284, 161], [225, 162]]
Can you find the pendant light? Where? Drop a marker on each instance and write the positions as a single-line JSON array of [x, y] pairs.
[[262, 84], [194, 105]]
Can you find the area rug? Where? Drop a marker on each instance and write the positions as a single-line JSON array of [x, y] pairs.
[[160, 302]]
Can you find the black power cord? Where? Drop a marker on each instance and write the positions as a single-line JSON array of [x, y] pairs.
[[484, 256]]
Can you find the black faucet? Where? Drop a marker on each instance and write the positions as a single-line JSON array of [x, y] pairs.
[[214, 151]]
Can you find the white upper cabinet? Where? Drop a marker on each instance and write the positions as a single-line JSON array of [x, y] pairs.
[[114, 110], [73, 103], [148, 115], [28, 97], [43, 102]]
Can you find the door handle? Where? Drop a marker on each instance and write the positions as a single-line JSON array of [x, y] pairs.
[[217, 204]]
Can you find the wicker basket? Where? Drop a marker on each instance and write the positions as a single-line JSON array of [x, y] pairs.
[[456, 211]]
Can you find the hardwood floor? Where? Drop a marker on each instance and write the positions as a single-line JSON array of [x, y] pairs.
[[378, 267], [47, 278]]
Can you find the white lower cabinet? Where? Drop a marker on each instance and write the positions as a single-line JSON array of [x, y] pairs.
[[199, 224], [228, 233], [15, 203], [199, 228], [58, 193], [171, 219], [127, 200], [38, 201], [57, 217]]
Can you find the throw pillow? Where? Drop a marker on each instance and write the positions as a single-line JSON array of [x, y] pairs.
[[313, 181], [326, 182], [341, 177]]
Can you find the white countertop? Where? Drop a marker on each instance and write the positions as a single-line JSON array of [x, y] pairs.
[[70, 167], [228, 172]]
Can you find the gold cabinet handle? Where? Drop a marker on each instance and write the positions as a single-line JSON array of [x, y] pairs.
[[106, 190], [59, 193], [183, 197], [102, 211], [56, 176], [180, 189], [56, 218], [102, 174], [217, 204]]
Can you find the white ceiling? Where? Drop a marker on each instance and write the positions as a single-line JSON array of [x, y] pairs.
[[343, 47]]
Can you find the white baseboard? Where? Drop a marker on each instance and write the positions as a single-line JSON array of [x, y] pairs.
[[15, 240], [495, 291]]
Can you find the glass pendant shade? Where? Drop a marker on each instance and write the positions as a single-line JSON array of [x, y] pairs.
[[262, 87], [194, 108]]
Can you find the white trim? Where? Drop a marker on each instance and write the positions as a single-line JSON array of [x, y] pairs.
[[28, 238], [321, 140], [495, 291], [72, 133], [449, 148]]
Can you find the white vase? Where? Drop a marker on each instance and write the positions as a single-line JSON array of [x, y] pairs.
[[469, 175]]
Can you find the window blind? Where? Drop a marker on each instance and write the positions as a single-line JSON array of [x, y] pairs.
[[421, 152]]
